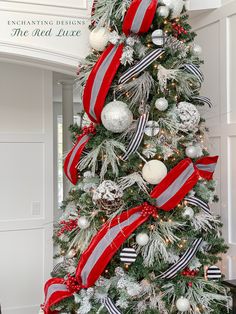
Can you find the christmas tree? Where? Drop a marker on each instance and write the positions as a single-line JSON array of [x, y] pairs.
[[137, 234]]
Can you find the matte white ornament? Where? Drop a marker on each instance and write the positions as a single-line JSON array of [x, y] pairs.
[[152, 128], [188, 212], [161, 104], [98, 38], [154, 171], [142, 239], [197, 50], [192, 152], [163, 11], [157, 37], [183, 304], [83, 222], [116, 116]]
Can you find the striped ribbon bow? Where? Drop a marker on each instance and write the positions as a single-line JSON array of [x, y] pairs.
[[193, 69], [110, 306], [181, 179], [137, 20]]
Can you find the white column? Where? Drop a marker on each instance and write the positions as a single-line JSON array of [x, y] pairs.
[[68, 117]]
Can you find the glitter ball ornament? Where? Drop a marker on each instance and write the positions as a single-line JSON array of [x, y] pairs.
[[158, 37], [116, 116], [191, 152], [197, 50], [83, 222], [152, 128], [99, 38], [183, 304], [154, 171], [188, 212], [188, 116], [161, 104], [108, 196], [163, 11], [142, 239]]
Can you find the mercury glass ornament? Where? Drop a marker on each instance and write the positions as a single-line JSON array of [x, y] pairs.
[[161, 104], [158, 37], [183, 304], [188, 212], [98, 38], [116, 116]]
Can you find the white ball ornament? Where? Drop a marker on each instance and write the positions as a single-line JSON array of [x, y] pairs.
[[98, 38], [163, 11], [83, 222], [116, 116], [197, 50], [142, 239], [154, 171], [192, 152], [158, 37], [176, 6], [183, 304], [188, 212], [161, 104]]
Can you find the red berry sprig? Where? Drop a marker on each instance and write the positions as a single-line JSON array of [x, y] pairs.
[[149, 210], [72, 284], [67, 226], [189, 273], [89, 129], [179, 30]]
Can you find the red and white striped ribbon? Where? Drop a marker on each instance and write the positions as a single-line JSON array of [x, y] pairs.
[[181, 179], [139, 16], [73, 157], [100, 80], [100, 251]]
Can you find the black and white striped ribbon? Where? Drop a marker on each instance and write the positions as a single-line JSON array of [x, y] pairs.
[[203, 99], [138, 136], [140, 66], [110, 306], [193, 69], [183, 261], [197, 202]]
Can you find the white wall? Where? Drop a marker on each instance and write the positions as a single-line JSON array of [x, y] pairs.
[[26, 186], [216, 34]]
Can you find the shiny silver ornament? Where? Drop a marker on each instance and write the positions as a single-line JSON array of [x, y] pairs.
[[83, 222], [152, 128], [188, 212], [116, 116], [142, 239], [192, 152], [197, 50], [161, 104], [163, 11], [158, 37]]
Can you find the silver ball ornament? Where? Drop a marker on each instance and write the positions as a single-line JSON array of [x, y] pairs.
[[191, 151], [152, 128], [163, 11], [197, 50], [188, 212], [161, 104], [98, 38], [183, 304], [116, 116], [154, 171], [157, 37], [142, 239], [83, 222]]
